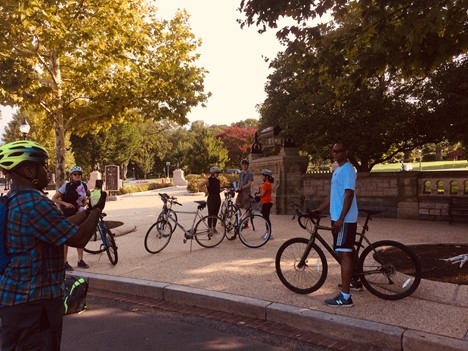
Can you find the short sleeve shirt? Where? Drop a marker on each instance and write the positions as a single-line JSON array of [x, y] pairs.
[[36, 232], [266, 198], [81, 190], [344, 177], [244, 178]]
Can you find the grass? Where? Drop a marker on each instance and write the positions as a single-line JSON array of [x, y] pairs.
[[425, 166]]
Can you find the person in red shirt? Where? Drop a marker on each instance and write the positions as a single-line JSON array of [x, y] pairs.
[[265, 195]]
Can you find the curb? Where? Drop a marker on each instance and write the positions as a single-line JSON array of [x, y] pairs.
[[375, 334]]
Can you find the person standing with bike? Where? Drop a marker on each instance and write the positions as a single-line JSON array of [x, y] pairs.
[[264, 193], [31, 302], [212, 188], [73, 198], [344, 214], [244, 185]]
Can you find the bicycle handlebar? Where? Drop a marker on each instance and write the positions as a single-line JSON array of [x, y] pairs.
[[165, 198]]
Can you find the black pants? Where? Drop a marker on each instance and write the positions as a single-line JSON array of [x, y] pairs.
[[266, 209], [35, 326], [213, 204]]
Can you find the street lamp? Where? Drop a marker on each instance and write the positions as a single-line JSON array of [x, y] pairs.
[[167, 165], [24, 128], [420, 156]]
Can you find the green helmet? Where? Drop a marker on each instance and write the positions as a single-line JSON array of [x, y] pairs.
[[12, 154]]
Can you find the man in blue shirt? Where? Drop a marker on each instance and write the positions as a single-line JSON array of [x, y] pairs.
[[344, 214], [31, 305]]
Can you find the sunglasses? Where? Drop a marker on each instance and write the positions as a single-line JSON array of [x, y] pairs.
[[76, 174]]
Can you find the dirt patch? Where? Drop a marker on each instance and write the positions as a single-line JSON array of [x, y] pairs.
[[435, 268]]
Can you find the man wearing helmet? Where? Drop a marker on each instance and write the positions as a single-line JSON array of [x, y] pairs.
[[72, 198], [31, 307], [244, 184]]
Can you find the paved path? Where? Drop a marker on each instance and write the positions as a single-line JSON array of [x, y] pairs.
[[434, 317]]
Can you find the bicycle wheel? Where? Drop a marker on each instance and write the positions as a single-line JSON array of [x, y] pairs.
[[389, 270], [231, 221], [210, 231], [164, 217], [302, 279], [254, 231], [158, 236], [94, 245], [111, 247]]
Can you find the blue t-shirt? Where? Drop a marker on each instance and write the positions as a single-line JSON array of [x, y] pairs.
[[344, 177]]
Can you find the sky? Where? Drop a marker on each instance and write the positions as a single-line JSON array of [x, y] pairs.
[[233, 57]]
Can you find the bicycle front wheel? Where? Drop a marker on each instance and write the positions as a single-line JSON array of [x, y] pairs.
[[231, 221], [254, 231], [158, 236], [94, 245], [210, 231], [389, 270], [302, 278], [111, 247], [164, 216]]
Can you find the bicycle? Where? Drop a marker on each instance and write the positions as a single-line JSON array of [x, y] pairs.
[[103, 240], [208, 231], [252, 228], [302, 267], [167, 210]]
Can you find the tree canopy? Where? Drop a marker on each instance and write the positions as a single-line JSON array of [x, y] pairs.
[[91, 64]]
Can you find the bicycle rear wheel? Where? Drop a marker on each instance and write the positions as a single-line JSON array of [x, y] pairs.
[[94, 245], [111, 247], [210, 231], [231, 221], [305, 278], [254, 231], [389, 270], [158, 236]]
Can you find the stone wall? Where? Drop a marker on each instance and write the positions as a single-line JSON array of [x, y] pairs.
[[406, 195]]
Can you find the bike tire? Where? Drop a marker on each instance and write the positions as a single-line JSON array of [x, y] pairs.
[[94, 245], [301, 280], [388, 277], [254, 231], [158, 236], [209, 237], [231, 220], [170, 214], [111, 247]]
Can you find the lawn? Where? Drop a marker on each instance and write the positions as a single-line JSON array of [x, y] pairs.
[[425, 166]]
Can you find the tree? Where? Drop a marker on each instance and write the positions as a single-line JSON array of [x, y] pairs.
[[91, 64], [237, 141]]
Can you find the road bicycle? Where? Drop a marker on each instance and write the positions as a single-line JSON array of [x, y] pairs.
[[103, 240], [252, 228], [388, 269], [208, 231], [167, 210]]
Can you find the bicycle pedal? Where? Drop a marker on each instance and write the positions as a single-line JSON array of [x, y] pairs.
[[185, 241]]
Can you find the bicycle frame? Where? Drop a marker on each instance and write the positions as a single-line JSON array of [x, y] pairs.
[[188, 233]]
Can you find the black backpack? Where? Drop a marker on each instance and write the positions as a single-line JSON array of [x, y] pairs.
[[74, 294]]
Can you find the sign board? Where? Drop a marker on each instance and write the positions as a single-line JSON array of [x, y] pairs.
[[112, 177]]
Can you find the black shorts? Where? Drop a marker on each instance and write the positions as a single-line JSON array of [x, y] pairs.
[[344, 240]]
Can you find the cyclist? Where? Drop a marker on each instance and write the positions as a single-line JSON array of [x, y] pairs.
[[31, 305], [264, 193], [212, 186], [244, 185], [344, 214], [72, 198]]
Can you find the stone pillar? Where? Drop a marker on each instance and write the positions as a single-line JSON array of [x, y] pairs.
[[178, 177], [93, 176]]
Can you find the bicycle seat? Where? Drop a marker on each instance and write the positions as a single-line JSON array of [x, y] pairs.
[[201, 204]]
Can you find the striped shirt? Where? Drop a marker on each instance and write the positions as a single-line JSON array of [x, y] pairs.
[[36, 232]]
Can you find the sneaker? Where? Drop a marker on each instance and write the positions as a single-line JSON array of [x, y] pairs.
[[68, 268], [82, 264], [339, 301], [355, 285]]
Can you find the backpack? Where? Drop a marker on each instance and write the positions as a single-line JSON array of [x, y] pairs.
[[5, 257], [74, 294]]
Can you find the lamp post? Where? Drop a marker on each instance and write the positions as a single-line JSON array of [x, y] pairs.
[[420, 156], [134, 176], [167, 165], [24, 128]]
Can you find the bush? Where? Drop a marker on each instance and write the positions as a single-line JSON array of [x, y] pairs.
[[128, 189]]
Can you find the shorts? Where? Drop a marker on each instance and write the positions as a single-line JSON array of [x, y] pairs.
[[344, 240], [243, 200]]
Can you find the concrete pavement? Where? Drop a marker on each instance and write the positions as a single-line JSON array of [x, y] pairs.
[[234, 278]]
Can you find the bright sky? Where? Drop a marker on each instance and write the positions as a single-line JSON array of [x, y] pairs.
[[233, 57]]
